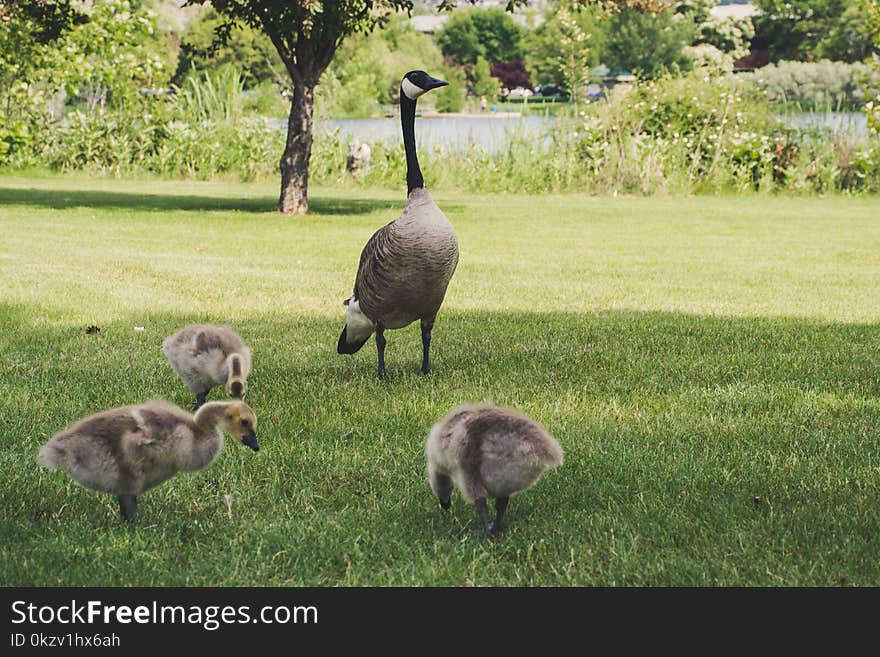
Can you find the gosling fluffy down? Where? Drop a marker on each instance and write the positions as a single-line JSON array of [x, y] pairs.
[[206, 356], [127, 451], [487, 452]]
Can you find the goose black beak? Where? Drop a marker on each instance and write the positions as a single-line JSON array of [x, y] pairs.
[[433, 83], [445, 505], [251, 441]]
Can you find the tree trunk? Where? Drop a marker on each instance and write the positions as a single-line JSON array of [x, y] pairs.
[[297, 151]]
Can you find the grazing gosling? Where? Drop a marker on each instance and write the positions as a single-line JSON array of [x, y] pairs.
[[206, 356], [127, 451], [487, 451]]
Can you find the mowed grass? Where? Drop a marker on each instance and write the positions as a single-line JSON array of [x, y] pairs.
[[711, 367]]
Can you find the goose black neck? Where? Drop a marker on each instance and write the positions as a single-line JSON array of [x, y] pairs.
[[414, 178]]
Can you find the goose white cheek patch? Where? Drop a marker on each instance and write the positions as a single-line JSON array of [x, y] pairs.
[[412, 91], [357, 326]]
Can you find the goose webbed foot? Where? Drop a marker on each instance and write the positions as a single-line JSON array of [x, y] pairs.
[[128, 507], [199, 402]]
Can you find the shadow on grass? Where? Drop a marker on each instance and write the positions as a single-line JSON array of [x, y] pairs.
[[61, 199], [680, 431], [619, 354]]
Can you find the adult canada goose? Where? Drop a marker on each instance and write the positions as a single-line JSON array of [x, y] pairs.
[[486, 451], [127, 451], [206, 356], [405, 266]]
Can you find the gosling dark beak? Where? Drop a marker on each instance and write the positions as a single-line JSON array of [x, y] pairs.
[[433, 83], [251, 441], [445, 505]]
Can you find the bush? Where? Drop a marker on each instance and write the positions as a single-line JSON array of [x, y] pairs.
[[818, 85], [249, 148], [110, 141]]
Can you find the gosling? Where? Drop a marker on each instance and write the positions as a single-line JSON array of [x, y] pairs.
[[207, 356], [127, 451], [487, 451]]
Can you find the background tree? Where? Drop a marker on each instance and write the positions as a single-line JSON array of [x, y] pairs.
[[512, 74], [306, 34], [851, 38], [488, 33], [813, 29], [648, 44], [872, 107], [483, 82], [729, 35], [246, 48], [364, 76], [574, 54], [27, 27], [459, 40], [451, 97], [545, 53], [113, 55]]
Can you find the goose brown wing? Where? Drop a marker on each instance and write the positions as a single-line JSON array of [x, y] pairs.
[[370, 264]]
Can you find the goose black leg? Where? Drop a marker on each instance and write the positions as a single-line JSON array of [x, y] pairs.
[[426, 345], [500, 508], [483, 515], [200, 400], [128, 507], [380, 347]]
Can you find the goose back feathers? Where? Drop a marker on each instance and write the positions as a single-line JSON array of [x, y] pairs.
[[406, 266]]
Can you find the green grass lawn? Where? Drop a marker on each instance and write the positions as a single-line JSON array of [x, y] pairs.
[[711, 367]]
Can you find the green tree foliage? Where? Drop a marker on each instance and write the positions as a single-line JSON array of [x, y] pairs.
[[247, 48], [451, 97], [648, 44], [306, 34], [483, 82], [553, 48], [488, 33], [727, 34], [102, 55], [113, 55], [27, 30], [365, 74], [814, 29]]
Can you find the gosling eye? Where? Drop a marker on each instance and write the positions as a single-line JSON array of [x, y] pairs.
[[245, 423]]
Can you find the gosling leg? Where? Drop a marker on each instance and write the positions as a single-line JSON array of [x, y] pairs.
[[483, 515], [426, 346], [200, 400], [128, 507], [500, 508], [380, 348]]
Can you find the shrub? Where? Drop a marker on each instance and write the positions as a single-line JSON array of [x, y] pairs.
[[820, 85], [109, 142]]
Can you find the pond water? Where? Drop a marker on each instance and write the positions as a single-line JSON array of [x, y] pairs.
[[855, 123], [492, 132]]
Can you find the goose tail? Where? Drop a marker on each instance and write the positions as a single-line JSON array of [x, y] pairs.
[[358, 329]]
